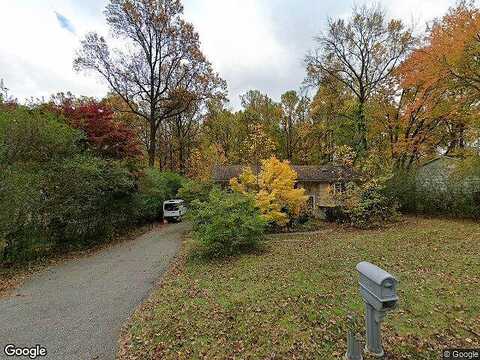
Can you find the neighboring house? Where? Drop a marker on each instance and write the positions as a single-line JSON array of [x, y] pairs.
[[319, 182], [435, 175]]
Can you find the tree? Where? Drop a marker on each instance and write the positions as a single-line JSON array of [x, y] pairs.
[[294, 115], [3, 92], [222, 128], [426, 108], [445, 68], [202, 161], [361, 54], [257, 145], [159, 71], [177, 138], [259, 109], [332, 113], [106, 136], [6, 101], [453, 47], [274, 189], [122, 114], [413, 116]]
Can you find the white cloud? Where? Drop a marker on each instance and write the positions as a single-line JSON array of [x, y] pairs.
[[253, 44], [238, 37], [36, 54]]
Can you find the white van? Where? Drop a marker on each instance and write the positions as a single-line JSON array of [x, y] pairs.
[[173, 210]]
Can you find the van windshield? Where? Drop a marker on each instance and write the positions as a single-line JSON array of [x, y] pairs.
[[171, 207]]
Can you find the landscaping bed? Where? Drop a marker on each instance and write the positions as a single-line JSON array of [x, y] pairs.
[[291, 299]]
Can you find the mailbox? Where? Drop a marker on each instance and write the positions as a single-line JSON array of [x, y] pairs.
[[379, 291], [378, 287]]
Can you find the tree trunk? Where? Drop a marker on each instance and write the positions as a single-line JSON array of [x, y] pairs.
[[152, 145], [181, 160], [362, 144]]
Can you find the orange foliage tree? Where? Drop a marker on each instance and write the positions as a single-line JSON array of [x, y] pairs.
[[429, 102]]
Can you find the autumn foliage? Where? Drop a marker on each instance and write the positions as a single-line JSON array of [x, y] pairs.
[[108, 137], [274, 190]]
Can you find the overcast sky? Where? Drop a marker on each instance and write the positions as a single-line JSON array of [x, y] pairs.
[[253, 44]]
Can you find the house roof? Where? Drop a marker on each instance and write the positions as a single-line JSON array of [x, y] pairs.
[[323, 174], [441, 157]]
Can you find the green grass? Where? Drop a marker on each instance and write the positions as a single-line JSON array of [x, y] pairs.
[[291, 300]]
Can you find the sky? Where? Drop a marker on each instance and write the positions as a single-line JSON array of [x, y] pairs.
[[252, 44]]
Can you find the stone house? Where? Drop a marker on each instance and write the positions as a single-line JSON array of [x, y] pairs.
[[319, 182]]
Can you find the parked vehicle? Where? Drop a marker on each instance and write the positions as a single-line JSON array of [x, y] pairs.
[[173, 210]]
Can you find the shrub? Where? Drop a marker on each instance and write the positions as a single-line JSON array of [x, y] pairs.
[[20, 202], [65, 203], [402, 187], [366, 206], [226, 224], [455, 193], [88, 198], [35, 136], [155, 188], [52, 191], [195, 190]]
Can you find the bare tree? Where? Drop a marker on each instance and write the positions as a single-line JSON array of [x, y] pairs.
[[159, 69], [361, 53]]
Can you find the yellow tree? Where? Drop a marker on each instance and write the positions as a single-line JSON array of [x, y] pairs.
[[274, 190], [202, 160], [257, 145]]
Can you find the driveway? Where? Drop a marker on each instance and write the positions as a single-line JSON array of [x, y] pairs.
[[76, 310]]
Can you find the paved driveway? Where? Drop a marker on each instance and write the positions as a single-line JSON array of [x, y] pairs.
[[76, 310]]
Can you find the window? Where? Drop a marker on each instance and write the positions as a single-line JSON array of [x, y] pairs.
[[171, 207], [339, 188]]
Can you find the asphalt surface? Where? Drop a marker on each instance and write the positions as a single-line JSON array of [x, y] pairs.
[[76, 310]]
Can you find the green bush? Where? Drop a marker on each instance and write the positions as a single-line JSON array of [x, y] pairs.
[[456, 195], [20, 204], [88, 198], [402, 187], [155, 188], [64, 203], [226, 224], [195, 190], [366, 205], [53, 193], [35, 136]]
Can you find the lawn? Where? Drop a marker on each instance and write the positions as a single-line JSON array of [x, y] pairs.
[[291, 300]]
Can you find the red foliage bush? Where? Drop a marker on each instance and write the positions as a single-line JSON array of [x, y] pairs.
[[106, 136]]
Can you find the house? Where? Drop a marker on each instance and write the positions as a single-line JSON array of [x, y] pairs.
[[435, 175], [319, 182]]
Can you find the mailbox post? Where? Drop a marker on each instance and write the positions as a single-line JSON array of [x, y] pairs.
[[379, 291]]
